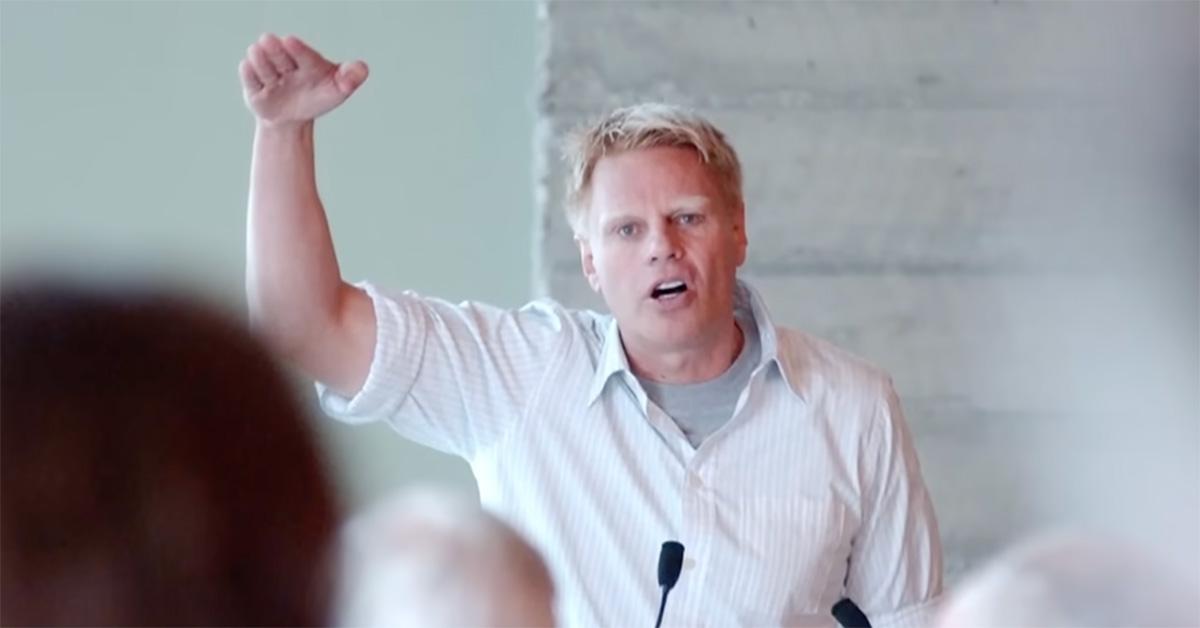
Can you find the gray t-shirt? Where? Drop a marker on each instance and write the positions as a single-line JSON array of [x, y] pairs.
[[701, 409]]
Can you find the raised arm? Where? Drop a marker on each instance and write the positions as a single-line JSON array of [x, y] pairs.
[[298, 300]]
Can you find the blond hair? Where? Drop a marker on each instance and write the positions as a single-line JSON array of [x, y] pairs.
[[647, 125]]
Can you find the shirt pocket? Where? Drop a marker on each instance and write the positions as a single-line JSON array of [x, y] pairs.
[[786, 550]]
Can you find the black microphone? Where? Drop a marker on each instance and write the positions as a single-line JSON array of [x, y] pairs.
[[848, 614], [670, 563]]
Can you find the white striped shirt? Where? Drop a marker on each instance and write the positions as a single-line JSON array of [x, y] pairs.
[[810, 493]]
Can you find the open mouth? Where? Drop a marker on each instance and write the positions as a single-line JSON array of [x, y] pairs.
[[668, 289]]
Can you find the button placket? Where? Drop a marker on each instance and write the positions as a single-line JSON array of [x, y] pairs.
[[699, 513]]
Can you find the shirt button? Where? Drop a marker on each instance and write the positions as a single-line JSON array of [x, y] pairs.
[[689, 564], [694, 481]]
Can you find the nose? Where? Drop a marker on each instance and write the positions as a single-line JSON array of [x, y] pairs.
[[664, 245]]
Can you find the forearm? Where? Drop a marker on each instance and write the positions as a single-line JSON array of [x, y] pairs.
[[293, 283]]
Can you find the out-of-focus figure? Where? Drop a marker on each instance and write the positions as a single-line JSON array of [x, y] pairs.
[[432, 560], [1073, 579], [156, 468]]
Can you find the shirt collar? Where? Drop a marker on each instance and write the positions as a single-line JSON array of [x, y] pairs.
[[613, 359]]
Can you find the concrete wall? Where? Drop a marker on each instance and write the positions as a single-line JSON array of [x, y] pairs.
[[995, 201]]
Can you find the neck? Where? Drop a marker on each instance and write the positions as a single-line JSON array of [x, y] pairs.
[[689, 365]]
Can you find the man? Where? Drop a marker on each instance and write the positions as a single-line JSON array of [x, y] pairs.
[[780, 462]]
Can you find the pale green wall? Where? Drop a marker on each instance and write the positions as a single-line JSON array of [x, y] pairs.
[[125, 147]]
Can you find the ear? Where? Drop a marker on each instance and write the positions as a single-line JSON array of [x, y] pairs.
[[739, 231], [588, 263]]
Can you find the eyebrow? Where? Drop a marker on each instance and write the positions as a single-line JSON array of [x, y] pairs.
[[618, 219], [690, 202]]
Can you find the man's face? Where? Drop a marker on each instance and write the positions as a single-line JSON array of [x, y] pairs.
[[662, 246]]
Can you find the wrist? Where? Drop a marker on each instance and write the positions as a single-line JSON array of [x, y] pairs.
[[284, 130]]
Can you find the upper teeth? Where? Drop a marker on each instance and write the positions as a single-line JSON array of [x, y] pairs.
[[670, 285]]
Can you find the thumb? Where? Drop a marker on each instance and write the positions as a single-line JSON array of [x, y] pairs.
[[349, 76]]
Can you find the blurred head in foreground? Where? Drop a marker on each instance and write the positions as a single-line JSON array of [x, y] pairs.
[[156, 468], [1072, 579], [427, 559]]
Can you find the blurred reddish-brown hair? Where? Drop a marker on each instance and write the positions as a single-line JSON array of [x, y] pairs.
[[155, 465]]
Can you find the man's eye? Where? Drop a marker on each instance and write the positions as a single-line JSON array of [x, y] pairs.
[[626, 230], [689, 219]]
